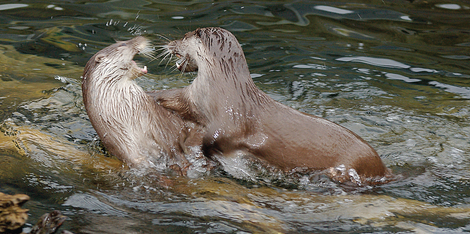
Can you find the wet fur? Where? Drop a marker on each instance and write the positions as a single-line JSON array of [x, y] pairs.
[[240, 118], [129, 122]]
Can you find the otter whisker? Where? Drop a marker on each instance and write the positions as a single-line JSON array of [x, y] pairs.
[[148, 53], [165, 54], [184, 63], [162, 46], [161, 36], [169, 60], [174, 68], [161, 50]]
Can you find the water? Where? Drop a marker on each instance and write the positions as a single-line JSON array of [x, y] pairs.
[[395, 72]]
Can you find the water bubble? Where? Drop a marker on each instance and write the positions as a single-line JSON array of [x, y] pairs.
[[354, 176], [109, 23], [135, 30]]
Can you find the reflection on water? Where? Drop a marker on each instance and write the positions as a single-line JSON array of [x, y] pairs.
[[394, 72]]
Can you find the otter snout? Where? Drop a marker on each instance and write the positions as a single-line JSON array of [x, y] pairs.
[[185, 63]]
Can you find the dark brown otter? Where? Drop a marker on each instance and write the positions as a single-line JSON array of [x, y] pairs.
[[241, 119], [130, 124]]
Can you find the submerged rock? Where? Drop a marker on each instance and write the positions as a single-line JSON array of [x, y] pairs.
[[49, 223], [12, 216]]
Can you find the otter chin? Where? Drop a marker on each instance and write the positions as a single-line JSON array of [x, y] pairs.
[[131, 125], [240, 119]]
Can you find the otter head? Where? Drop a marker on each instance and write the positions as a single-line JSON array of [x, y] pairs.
[[203, 46], [115, 61]]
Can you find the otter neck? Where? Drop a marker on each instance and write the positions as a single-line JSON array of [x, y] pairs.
[[117, 111], [224, 87], [114, 100]]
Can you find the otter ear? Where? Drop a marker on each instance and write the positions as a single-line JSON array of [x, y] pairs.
[[99, 58], [199, 32]]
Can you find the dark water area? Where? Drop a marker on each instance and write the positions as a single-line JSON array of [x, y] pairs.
[[397, 73]]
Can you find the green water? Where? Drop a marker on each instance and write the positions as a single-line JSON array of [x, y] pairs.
[[395, 72]]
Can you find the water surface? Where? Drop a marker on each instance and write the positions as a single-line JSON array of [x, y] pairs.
[[394, 72]]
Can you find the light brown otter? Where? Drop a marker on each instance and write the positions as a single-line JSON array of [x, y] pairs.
[[129, 122], [240, 118]]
